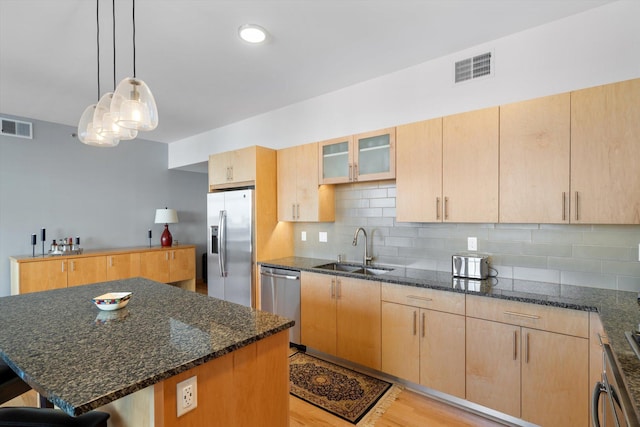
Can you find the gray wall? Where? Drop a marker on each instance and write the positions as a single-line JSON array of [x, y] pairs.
[[107, 196], [584, 255]]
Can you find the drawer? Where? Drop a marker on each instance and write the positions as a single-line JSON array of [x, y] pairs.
[[552, 319], [450, 302]]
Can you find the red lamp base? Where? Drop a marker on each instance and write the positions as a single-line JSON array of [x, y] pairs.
[[166, 239]]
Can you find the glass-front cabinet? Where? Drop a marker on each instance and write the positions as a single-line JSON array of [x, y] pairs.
[[363, 157]]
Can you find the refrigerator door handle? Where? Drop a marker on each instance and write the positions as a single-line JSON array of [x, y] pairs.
[[222, 243]]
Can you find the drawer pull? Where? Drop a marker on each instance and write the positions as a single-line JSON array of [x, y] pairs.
[[419, 298], [424, 324], [415, 322], [526, 316], [515, 345], [333, 288], [526, 351]]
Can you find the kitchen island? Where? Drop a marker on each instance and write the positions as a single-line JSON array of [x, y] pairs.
[[129, 361]]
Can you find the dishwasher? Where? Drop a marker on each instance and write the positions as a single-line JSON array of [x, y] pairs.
[[280, 294]]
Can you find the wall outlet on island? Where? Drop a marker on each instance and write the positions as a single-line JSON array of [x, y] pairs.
[[187, 395]]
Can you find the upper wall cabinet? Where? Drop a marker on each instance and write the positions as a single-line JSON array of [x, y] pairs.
[[363, 157], [419, 180], [300, 198], [470, 166], [535, 142], [605, 153], [232, 168]]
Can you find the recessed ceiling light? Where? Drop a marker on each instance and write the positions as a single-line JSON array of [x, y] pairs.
[[252, 33]]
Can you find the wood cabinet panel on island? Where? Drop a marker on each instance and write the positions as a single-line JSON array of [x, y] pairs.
[[300, 197], [341, 316], [175, 265]]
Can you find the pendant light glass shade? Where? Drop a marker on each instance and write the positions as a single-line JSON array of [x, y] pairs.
[[105, 122], [134, 105], [88, 135]]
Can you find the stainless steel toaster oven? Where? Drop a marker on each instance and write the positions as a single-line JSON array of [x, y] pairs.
[[474, 266]]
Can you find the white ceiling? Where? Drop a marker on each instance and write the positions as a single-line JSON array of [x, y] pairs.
[[203, 76]]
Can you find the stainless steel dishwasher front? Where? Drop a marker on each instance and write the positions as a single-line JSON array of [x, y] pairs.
[[280, 294]]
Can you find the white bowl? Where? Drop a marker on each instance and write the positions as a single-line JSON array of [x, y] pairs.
[[112, 300]]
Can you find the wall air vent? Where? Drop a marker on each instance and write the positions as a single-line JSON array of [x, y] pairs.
[[16, 128], [472, 68]]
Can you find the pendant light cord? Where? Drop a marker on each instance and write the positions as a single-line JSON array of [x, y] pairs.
[[113, 18], [98, 43], [133, 14]]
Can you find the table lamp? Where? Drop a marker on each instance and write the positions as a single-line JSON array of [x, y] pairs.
[[166, 216]]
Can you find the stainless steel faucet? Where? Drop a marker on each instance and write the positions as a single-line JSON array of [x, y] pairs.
[[366, 259]]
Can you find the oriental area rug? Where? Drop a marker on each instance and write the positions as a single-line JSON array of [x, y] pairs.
[[347, 394]]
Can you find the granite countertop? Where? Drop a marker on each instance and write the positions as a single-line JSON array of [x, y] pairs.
[[618, 310], [80, 357]]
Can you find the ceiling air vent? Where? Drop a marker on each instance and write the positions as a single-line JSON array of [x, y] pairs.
[[16, 128], [472, 68]]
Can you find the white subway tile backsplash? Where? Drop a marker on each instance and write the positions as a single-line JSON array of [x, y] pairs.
[[603, 256]]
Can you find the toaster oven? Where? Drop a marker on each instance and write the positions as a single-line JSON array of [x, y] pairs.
[[473, 266]]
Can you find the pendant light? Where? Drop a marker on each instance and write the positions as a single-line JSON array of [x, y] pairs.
[[133, 103], [87, 132]]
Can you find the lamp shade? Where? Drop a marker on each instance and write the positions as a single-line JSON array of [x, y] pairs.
[[134, 105], [88, 135], [104, 121], [166, 216]]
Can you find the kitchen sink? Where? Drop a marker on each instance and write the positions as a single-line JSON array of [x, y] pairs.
[[355, 268]]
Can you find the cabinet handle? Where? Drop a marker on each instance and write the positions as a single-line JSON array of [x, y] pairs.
[[577, 216], [515, 345], [564, 204], [415, 322], [173, 255], [62, 266], [424, 325], [293, 211], [338, 289], [355, 171], [333, 288], [526, 316], [526, 349], [73, 266], [166, 256], [437, 207], [419, 298], [230, 173], [111, 261], [446, 208], [298, 211], [350, 172]]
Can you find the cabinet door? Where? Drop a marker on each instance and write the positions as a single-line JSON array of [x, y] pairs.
[[182, 264], [335, 161], [287, 183], [470, 166], [358, 321], [86, 270], [43, 275], [535, 144], [318, 312], [313, 203], [442, 352], [493, 365], [555, 379], [123, 266], [419, 172], [374, 155], [400, 341], [218, 169], [243, 165], [605, 130], [154, 265]]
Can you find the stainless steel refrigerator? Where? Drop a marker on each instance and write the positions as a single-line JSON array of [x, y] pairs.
[[230, 257]]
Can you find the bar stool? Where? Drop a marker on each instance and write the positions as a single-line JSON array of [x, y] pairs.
[[38, 417], [11, 385]]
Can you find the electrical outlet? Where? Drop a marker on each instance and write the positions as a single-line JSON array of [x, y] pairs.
[[322, 236], [303, 236], [187, 395], [472, 243]]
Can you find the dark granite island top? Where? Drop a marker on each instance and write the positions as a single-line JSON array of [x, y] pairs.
[[81, 358], [618, 310]]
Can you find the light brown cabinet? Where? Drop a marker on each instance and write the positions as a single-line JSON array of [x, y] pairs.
[[419, 175], [363, 157], [169, 265], [605, 130], [87, 270], [521, 359], [232, 168], [422, 344], [535, 147], [172, 265], [470, 166], [300, 197], [341, 316]]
